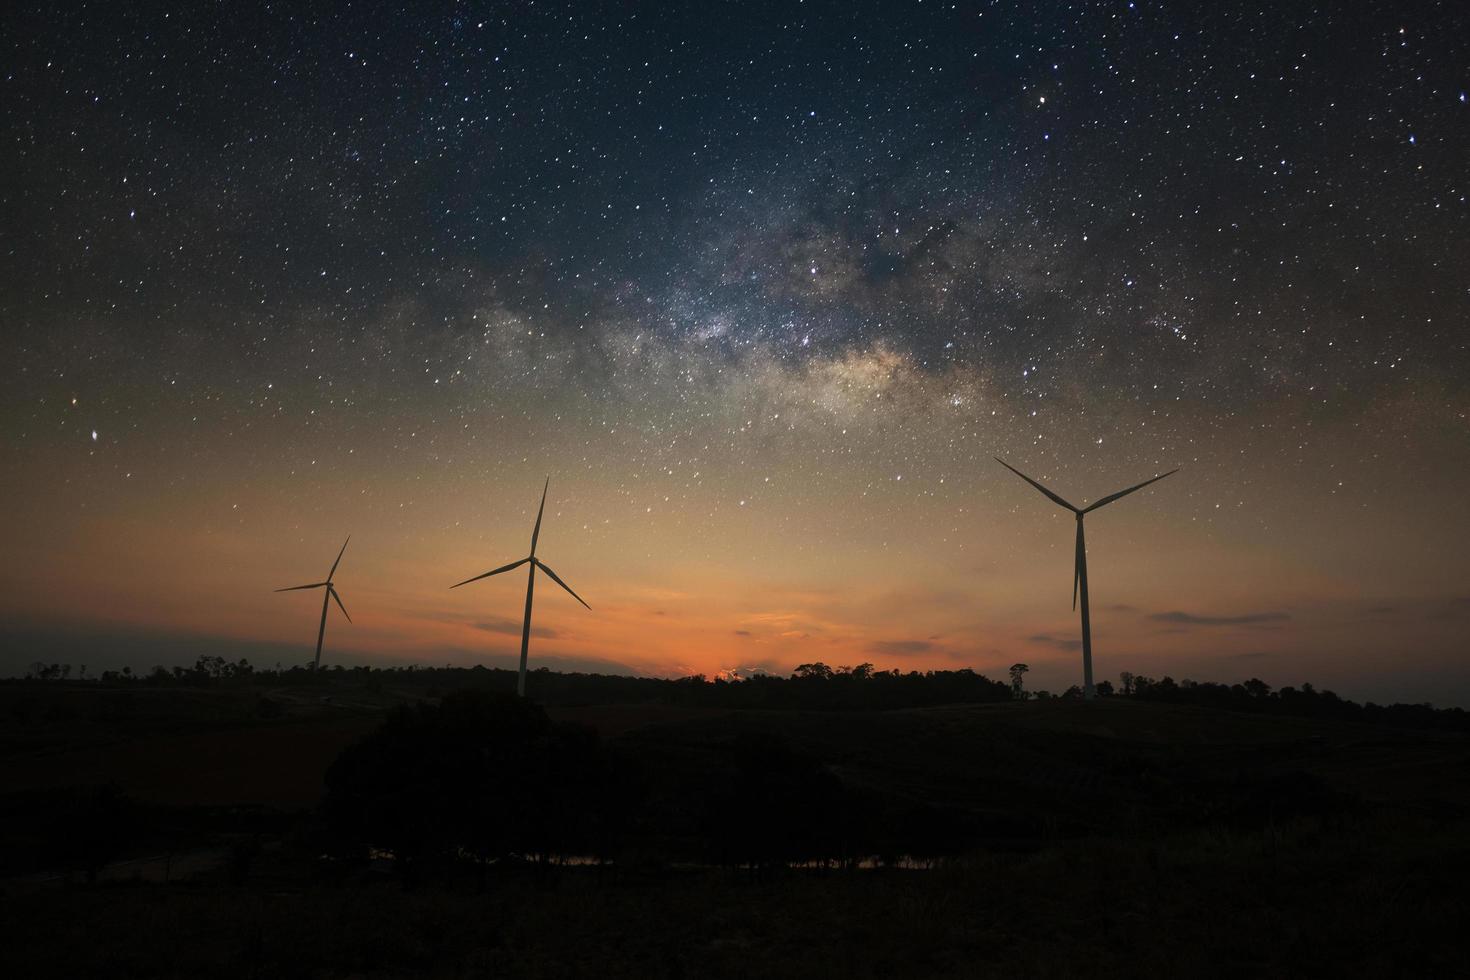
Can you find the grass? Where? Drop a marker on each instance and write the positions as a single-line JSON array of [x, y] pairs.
[[1292, 902]]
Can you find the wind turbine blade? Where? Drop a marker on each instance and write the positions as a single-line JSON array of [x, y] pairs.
[[1038, 486], [1123, 493], [338, 600], [314, 585], [557, 579], [497, 571], [536, 532], [1077, 566], [339, 559]]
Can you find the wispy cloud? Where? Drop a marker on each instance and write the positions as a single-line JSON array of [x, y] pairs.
[[1455, 608], [901, 648], [489, 624], [1246, 619], [511, 627], [1061, 642]]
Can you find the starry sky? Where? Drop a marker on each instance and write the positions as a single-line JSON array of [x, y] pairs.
[[763, 288]]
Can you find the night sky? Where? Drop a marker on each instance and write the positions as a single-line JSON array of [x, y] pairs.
[[763, 288]]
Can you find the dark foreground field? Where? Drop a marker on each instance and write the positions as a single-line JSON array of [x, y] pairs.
[[1056, 839]]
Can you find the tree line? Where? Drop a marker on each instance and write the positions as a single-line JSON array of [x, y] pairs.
[[810, 686], [813, 685], [1255, 695]]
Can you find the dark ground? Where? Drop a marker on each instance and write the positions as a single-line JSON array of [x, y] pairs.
[[1117, 838]]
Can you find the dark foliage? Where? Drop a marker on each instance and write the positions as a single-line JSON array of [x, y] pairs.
[[481, 774], [780, 807], [1305, 701], [817, 686], [810, 686]]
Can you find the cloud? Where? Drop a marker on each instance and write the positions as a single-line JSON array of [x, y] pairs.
[[900, 648], [1061, 642], [741, 673], [1455, 608], [1247, 619], [512, 627], [491, 624], [743, 633]]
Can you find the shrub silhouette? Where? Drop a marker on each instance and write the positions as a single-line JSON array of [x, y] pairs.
[[481, 774], [781, 807]]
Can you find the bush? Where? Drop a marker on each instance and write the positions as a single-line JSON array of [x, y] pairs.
[[480, 774], [780, 807]]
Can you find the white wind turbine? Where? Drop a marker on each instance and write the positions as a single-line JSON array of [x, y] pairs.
[[535, 563], [1079, 573], [331, 594]]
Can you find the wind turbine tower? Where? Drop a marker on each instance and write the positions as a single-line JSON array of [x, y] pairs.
[[1079, 570], [329, 595], [535, 563]]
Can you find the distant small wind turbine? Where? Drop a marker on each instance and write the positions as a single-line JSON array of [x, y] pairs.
[[331, 593], [1079, 573], [530, 587]]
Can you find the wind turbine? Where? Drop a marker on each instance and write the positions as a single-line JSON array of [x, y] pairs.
[[535, 563], [1079, 573], [331, 593]]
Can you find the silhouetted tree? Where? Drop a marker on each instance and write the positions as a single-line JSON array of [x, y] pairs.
[[1018, 674], [1257, 688], [483, 773], [781, 807]]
